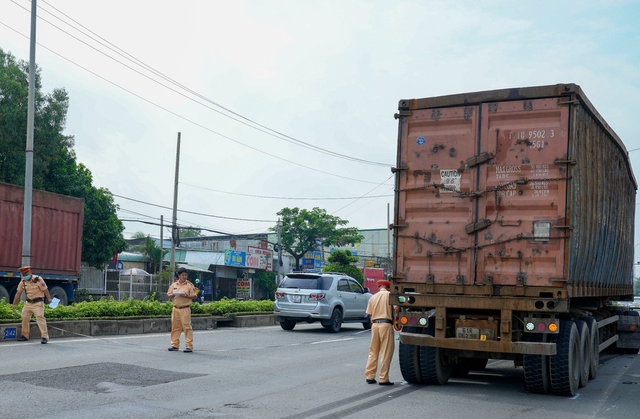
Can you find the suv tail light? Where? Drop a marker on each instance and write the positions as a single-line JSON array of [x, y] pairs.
[[317, 297], [279, 295]]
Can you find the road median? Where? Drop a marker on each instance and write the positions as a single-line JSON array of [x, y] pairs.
[[108, 327]]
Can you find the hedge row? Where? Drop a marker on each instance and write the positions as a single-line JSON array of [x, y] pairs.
[[109, 308]]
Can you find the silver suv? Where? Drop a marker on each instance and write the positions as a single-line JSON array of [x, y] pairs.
[[330, 298]]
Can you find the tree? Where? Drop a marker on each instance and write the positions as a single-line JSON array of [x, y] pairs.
[[185, 233], [341, 261], [304, 231], [55, 168]]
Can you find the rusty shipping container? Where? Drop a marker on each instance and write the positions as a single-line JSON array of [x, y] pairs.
[[56, 238], [508, 203]]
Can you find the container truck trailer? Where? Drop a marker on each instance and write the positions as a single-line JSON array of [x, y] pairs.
[[56, 240], [513, 234]]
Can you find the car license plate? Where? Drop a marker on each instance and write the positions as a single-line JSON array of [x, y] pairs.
[[468, 333], [296, 298]]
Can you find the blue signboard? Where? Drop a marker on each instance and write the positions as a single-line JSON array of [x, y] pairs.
[[10, 333], [234, 258]]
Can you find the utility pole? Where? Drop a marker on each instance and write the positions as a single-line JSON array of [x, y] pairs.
[[279, 249], [161, 243], [175, 211], [28, 173], [388, 239]]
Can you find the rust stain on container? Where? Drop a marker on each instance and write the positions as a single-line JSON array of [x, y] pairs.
[[537, 192]]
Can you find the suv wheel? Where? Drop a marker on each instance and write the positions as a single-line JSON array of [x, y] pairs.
[[287, 324], [367, 324], [335, 321]]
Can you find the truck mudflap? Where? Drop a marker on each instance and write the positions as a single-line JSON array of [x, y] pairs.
[[530, 348]]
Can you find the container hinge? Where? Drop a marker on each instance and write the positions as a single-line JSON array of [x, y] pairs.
[[394, 278], [402, 114], [399, 169], [564, 227], [569, 102], [479, 159], [558, 280], [480, 225], [570, 161]]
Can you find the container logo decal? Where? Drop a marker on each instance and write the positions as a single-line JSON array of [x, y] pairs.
[[421, 141], [450, 180]]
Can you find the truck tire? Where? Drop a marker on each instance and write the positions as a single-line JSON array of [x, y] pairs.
[[287, 324], [594, 337], [585, 352], [565, 364], [409, 357], [4, 294], [59, 293], [434, 362], [335, 323], [536, 368]]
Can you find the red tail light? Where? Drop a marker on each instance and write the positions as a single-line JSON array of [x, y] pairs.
[[280, 295], [317, 297]]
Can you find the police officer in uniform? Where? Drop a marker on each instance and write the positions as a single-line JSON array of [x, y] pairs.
[[382, 336], [35, 289], [183, 293]]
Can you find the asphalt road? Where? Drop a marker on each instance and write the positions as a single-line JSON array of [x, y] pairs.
[[266, 372]]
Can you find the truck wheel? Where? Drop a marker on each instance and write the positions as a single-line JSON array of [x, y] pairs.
[[336, 321], [434, 362], [287, 324], [409, 356], [4, 294], [594, 337], [565, 364], [59, 293], [536, 368], [585, 352]]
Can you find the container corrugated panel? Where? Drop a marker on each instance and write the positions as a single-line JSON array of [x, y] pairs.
[[513, 188], [56, 231]]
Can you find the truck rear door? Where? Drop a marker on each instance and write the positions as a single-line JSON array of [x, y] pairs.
[[481, 194]]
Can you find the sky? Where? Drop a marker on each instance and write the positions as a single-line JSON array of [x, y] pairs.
[[291, 103]]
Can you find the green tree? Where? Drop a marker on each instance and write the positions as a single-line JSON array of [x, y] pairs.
[[303, 231], [55, 168], [267, 281], [341, 261], [185, 233]]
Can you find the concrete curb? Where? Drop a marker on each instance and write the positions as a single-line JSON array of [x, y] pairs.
[[57, 329]]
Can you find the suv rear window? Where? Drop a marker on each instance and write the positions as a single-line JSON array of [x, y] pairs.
[[307, 282]]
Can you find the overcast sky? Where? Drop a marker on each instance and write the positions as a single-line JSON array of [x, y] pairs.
[[320, 77]]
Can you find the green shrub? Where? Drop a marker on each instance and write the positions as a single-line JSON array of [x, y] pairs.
[[109, 308]]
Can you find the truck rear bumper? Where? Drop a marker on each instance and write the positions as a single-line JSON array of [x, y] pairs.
[[530, 348]]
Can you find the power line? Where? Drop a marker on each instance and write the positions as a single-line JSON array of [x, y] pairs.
[[263, 128], [282, 197], [194, 213]]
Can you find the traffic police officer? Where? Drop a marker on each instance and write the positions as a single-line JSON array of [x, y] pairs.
[[382, 336], [35, 289], [183, 293]]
